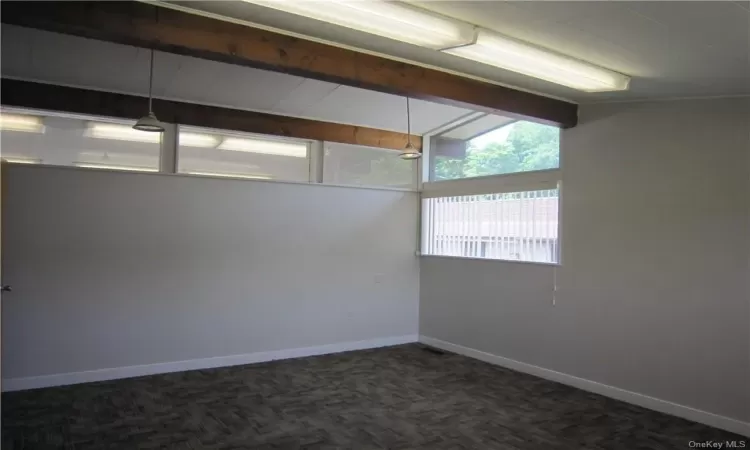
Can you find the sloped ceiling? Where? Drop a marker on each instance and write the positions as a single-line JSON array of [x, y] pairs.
[[61, 59], [671, 48]]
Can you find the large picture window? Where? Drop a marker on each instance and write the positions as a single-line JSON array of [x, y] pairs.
[[493, 191]]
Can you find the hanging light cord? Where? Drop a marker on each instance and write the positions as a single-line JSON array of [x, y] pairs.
[[408, 123], [150, 80], [151, 67]]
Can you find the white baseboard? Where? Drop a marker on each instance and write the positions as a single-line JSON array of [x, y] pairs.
[[19, 384], [696, 415]]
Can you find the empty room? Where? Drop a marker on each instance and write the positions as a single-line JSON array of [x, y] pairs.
[[371, 224]]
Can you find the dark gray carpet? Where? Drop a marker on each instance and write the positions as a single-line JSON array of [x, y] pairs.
[[393, 398]]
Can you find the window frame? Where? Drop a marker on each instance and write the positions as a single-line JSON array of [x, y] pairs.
[[504, 188], [488, 184], [429, 166], [168, 152], [89, 120], [173, 150], [415, 171], [494, 184]]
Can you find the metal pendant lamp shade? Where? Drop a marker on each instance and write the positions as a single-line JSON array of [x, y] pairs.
[[149, 122], [410, 152]]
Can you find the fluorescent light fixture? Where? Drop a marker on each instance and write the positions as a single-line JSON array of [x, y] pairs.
[[21, 122], [297, 150], [393, 20], [407, 23], [21, 160], [103, 130], [112, 167], [232, 175], [509, 54], [198, 140]]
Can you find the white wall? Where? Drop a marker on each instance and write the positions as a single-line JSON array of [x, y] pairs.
[[653, 288], [121, 269]]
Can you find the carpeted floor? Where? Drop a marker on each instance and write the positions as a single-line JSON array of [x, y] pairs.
[[401, 397]]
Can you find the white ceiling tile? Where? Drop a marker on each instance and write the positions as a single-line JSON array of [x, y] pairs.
[[710, 24], [426, 116], [206, 81], [562, 11], [352, 105], [478, 127], [359, 106], [238, 85], [305, 95], [504, 17], [16, 54], [166, 68], [86, 62], [195, 79], [651, 42]]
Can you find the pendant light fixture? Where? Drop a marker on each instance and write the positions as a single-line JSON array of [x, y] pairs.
[[410, 152], [149, 122]]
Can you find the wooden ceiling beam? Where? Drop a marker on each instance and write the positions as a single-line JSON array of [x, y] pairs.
[[26, 94], [169, 30]]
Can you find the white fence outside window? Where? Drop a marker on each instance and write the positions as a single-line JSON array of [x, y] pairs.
[[519, 226]]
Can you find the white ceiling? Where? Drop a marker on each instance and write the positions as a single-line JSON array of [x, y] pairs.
[[671, 48], [477, 127], [61, 59]]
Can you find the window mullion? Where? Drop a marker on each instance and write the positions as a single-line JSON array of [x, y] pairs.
[[169, 143], [316, 161]]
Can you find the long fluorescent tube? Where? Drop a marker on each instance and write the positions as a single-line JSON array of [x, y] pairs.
[[509, 54], [417, 26], [393, 20], [198, 140], [232, 175], [14, 160], [101, 130], [111, 167], [266, 147], [21, 122]]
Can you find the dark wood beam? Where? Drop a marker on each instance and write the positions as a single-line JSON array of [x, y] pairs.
[[145, 25], [26, 94]]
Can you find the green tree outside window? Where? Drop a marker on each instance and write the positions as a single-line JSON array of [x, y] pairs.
[[520, 147]]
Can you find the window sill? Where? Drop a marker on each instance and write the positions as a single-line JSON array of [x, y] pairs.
[[507, 261], [214, 177]]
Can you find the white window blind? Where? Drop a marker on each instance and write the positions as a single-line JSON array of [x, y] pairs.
[[519, 226]]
